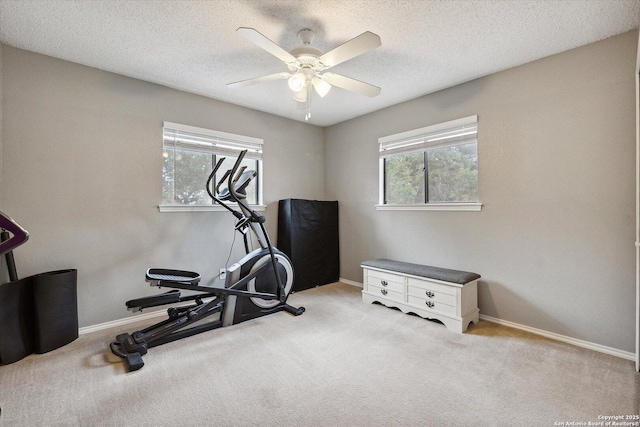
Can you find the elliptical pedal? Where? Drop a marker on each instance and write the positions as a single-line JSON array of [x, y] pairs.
[[130, 348], [171, 297], [156, 275], [134, 361]]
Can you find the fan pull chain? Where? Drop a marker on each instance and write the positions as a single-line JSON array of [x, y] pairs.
[[308, 101]]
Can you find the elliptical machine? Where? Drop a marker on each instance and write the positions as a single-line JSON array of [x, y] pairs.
[[255, 286]]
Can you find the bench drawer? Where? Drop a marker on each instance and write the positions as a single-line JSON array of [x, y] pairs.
[[428, 285], [430, 295], [386, 293], [389, 281], [431, 305]]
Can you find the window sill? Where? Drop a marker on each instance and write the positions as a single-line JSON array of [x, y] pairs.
[[468, 207], [203, 208]]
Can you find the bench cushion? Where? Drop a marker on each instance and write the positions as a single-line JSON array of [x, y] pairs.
[[444, 274]]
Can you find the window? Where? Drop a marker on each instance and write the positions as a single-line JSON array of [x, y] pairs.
[[189, 155], [435, 167]]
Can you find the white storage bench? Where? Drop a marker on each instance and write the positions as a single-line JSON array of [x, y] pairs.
[[450, 296]]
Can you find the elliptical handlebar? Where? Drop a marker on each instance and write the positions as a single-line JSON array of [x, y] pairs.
[[231, 179], [222, 181], [232, 176], [214, 196], [20, 235], [211, 175]]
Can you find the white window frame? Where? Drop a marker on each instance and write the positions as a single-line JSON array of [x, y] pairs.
[[214, 142], [447, 134]]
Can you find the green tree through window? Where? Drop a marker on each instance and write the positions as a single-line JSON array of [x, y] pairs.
[[184, 176], [404, 179], [451, 174]]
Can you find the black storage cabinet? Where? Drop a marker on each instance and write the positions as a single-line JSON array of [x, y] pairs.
[[308, 234]]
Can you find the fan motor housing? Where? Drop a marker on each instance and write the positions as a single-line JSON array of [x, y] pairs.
[[307, 57], [306, 51]]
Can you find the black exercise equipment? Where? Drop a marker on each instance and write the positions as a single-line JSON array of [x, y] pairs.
[[38, 313], [255, 286], [12, 236], [16, 298]]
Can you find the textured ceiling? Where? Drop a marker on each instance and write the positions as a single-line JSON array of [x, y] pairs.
[[426, 45]]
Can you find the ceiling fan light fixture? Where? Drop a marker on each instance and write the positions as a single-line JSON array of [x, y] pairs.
[[308, 65], [300, 96], [321, 86], [297, 82]]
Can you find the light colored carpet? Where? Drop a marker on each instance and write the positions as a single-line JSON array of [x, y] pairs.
[[342, 363]]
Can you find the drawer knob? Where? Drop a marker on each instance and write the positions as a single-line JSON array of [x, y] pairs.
[[430, 304], [384, 291], [384, 283], [430, 294]]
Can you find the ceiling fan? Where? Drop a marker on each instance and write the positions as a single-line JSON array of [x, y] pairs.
[[308, 66]]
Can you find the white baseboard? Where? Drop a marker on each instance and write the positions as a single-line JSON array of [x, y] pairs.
[[122, 322], [350, 282], [563, 338]]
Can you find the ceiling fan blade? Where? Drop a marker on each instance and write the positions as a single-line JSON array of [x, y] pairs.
[[249, 82], [351, 84], [260, 40], [354, 47]]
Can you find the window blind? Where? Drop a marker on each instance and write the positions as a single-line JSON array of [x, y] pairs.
[[190, 138], [454, 132]]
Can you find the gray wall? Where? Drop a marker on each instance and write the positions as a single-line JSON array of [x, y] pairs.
[[82, 151], [554, 242]]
